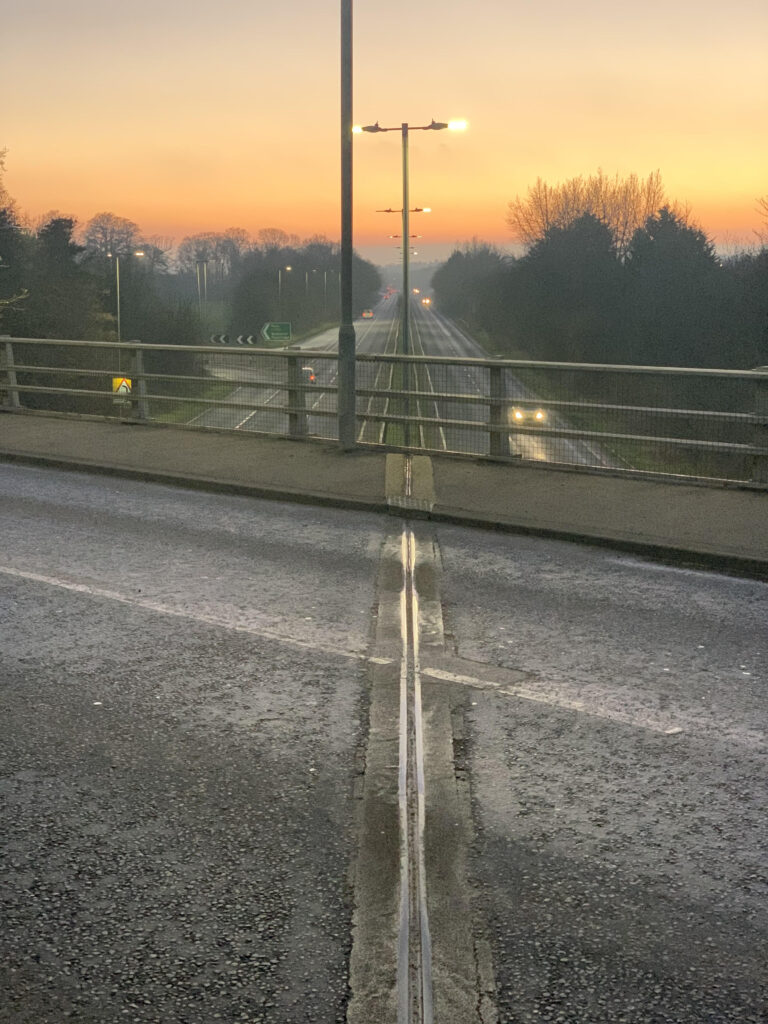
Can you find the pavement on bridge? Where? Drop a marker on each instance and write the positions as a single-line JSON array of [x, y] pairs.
[[723, 528]]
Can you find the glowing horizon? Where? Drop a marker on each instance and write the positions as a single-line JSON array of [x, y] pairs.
[[203, 120]]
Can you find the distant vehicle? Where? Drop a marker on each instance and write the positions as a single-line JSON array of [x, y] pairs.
[[367, 314], [426, 302], [309, 374], [534, 416]]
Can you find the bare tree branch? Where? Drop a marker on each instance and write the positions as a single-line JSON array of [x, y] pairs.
[[623, 204]]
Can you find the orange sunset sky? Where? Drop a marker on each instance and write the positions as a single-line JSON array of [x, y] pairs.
[[187, 116]]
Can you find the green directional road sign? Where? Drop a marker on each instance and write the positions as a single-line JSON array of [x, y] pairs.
[[276, 332]]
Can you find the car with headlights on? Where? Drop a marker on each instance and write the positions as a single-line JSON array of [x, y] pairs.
[[529, 415]]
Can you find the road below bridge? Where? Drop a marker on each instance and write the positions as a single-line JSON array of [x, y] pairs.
[[201, 700]]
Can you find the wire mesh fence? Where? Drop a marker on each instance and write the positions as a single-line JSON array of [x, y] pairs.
[[709, 424]]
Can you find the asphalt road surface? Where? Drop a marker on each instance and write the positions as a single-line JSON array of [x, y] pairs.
[[186, 682], [184, 714], [616, 746]]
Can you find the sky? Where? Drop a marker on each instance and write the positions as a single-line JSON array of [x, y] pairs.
[[188, 116]]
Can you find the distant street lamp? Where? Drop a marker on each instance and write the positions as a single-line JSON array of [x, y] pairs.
[[280, 287], [325, 288], [202, 284], [116, 258], [404, 129]]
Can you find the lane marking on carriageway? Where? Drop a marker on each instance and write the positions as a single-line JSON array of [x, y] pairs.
[[146, 604]]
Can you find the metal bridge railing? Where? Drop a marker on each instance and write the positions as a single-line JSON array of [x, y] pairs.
[[689, 423]]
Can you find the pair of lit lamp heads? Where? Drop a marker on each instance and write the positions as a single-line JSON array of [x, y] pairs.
[[436, 126]]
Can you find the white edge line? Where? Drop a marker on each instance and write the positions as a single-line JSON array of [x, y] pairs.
[[207, 620]]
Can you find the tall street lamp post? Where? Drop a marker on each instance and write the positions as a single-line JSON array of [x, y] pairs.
[[280, 287], [405, 129], [202, 283], [346, 392], [116, 257]]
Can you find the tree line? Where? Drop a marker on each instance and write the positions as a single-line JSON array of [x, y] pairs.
[[59, 281], [613, 273]]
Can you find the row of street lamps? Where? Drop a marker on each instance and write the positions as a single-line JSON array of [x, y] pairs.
[[307, 273], [116, 258], [203, 289], [405, 130], [346, 390]]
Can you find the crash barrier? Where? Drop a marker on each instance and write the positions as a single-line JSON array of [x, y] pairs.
[[706, 424]]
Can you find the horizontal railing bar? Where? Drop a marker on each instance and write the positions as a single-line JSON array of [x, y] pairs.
[[237, 351], [94, 372], [511, 403], [21, 367], [583, 435], [76, 392], [530, 364], [432, 396], [662, 371], [653, 410], [477, 425], [135, 397]]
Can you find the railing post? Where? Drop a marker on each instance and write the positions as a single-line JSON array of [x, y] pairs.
[[497, 413], [760, 433], [297, 419], [10, 372], [142, 404]]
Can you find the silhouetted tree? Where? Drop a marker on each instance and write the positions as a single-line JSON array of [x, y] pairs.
[[762, 210], [675, 292], [106, 234], [747, 310], [275, 238], [623, 204], [566, 294], [366, 283], [15, 254], [463, 285], [64, 299], [307, 296]]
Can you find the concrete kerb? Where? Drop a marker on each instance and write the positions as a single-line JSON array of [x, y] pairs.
[[685, 558], [201, 483]]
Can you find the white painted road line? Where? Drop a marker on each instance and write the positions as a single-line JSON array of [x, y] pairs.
[[157, 607]]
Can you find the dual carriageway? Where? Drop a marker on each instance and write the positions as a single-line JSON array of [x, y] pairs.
[[431, 335]]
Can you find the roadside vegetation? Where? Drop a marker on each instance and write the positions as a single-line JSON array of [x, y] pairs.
[[613, 272], [58, 279]]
